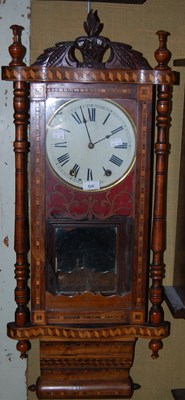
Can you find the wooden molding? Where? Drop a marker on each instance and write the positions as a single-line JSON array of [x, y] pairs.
[[112, 1]]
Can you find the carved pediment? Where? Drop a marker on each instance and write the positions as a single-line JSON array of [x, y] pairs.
[[92, 51]]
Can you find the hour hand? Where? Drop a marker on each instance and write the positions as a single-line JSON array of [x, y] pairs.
[[113, 132], [100, 140]]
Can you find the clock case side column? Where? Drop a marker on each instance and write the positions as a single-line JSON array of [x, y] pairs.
[[158, 241], [21, 244], [21, 149], [157, 268]]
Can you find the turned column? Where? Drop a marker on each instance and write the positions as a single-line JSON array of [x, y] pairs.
[[21, 148], [157, 268]]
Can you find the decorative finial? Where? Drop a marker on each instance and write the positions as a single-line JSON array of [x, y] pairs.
[[23, 346], [17, 50], [155, 345], [93, 26], [162, 54]]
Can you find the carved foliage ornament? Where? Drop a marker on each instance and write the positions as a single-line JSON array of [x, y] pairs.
[[92, 51]]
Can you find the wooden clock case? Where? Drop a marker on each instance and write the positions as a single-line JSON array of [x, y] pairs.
[[88, 333]]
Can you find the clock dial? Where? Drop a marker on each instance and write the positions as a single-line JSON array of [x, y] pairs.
[[90, 143]]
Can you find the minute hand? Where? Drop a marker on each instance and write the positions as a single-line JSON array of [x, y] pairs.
[[91, 145]]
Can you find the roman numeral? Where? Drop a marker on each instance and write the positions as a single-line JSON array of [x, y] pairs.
[[120, 128], [77, 118], [121, 146], [89, 174], [116, 160], [63, 159], [60, 144], [105, 120], [92, 114]]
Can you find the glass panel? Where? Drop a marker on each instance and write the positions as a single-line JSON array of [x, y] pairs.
[[95, 257], [85, 259]]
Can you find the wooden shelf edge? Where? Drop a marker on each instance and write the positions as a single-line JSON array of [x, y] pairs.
[[118, 332], [40, 74], [178, 394], [174, 302], [179, 63]]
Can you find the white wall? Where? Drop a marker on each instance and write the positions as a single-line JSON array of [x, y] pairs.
[[12, 368]]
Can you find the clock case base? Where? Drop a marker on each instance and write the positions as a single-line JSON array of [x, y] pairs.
[[87, 362], [85, 370]]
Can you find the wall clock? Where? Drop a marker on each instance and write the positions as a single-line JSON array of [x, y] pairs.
[[91, 164]]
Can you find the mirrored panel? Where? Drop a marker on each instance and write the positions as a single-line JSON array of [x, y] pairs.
[[95, 257]]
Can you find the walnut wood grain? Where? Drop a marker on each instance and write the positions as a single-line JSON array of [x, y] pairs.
[[87, 340], [72, 333], [68, 75], [159, 222]]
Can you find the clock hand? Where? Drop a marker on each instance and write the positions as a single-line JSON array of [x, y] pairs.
[[106, 137], [90, 145], [116, 130]]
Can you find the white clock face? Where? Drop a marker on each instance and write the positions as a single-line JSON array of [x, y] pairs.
[[90, 143]]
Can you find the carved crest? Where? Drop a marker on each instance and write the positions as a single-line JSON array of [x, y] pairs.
[[92, 51]]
